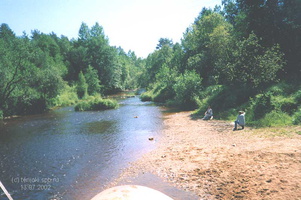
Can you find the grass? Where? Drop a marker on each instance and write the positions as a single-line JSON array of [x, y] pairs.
[[280, 131], [96, 103], [274, 119]]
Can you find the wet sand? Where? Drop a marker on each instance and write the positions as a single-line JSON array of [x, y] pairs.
[[210, 161]]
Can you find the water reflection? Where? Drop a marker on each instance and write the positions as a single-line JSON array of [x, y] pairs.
[[82, 151]]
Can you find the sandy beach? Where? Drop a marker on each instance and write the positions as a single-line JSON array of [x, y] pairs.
[[211, 161]]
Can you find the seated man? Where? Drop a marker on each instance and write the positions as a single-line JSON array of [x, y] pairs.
[[208, 114], [240, 120]]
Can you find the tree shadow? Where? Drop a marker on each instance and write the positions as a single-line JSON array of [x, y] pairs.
[[196, 116]]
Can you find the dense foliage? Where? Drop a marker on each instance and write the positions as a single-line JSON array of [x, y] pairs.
[[41, 71], [241, 55], [233, 57]]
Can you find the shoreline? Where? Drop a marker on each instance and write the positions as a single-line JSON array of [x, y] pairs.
[[211, 161]]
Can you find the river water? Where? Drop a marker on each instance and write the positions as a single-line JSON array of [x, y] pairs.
[[65, 154]]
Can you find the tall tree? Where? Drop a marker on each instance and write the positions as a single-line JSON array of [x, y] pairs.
[[93, 81], [163, 42], [252, 65], [15, 67], [204, 43], [82, 86], [6, 33], [275, 22], [83, 33], [97, 31]]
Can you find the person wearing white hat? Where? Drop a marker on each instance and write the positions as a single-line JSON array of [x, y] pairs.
[[240, 120]]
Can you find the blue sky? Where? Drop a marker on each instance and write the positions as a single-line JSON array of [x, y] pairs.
[[135, 25]]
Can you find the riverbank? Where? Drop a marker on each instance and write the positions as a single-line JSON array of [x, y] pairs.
[[214, 162]]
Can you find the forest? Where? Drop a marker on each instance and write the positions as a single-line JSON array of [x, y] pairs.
[[43, 70], [241, 55]]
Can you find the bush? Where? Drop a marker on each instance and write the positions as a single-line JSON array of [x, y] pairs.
[[146, 96], [83, 106], [163, 95], [260, 106], [252, 64], [297, 117], [160, 93], [211, 91], [187, 88], [285, 104], [96, 104], [82, 86], [1, 114], [224, 100], [67, 97], [297, 96], [281, 89], [104, 104]]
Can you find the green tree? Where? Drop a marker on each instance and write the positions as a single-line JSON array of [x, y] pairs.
[[116, 70], [163, 42], [48, 82], [92, 80], [83, 33], [97, 31], [166, 78], [253, 65], [77, 59], [48, 52], [177, 58], [102, 57], [31, 73], [33, 69], [156, 60], [15, 70], [205, 43], [82, 86], [6, 34], [187, 88], [275, 22]]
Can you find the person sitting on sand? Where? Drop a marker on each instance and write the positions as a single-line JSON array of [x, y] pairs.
[[240, 120], [208, 114]]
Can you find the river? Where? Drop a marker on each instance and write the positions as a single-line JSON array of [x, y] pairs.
[[65, 154]]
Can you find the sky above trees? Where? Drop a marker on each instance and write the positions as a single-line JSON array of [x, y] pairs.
[[135, 25]]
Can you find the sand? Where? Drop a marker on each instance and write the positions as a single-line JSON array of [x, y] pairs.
[[214, 162]]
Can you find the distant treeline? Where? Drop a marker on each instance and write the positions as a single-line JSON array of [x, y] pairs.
[[43, 70], [241, 55]]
